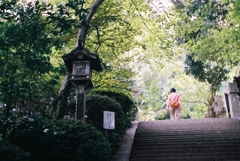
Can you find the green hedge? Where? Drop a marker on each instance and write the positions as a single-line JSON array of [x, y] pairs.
[[10, 152], [127, 103], [41, 139], [60, 140], [95, 105]]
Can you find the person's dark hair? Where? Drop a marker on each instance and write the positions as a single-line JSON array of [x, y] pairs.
[[172, 90]]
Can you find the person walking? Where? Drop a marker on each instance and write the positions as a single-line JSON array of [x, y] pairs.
[[175, 112]]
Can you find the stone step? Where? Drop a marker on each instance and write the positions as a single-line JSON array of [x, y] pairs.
[[218, 123], [186, 143], [188, 159], [188, 155], [194, 129], [196, 138], [153, 138], [185, 140], [187, 148], [191, 150]]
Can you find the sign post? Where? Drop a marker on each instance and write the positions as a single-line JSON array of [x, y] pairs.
[[108, 121]]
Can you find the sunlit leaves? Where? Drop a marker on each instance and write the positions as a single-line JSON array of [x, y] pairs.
[[112, 35]]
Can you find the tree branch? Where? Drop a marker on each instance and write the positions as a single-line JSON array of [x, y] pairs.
[[82, 33]]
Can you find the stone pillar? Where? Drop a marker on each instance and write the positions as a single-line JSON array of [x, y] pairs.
[[233, 99], [80, 103], [227, 105]]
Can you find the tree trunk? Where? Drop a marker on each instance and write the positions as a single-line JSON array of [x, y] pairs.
[[60, 103], [210, 112]]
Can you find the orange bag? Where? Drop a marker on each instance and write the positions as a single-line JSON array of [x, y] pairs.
[[174, 103]]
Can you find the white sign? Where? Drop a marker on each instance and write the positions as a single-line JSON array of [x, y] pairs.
[[108, 120]]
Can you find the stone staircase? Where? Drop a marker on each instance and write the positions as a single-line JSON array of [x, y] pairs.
[[212, 139]]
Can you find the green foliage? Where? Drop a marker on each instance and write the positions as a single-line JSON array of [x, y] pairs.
[[127, 103], [206, 72], [110, 78], [211, 11], [112, 35], [31, 36], [24, 43], [95, 105], [11, 152], [208, 31], [60, 140], [164, 115], [154, 85]]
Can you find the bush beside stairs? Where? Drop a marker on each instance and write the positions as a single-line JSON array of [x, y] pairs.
[[211, 139]]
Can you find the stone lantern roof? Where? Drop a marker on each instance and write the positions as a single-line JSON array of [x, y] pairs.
[[82, 54]]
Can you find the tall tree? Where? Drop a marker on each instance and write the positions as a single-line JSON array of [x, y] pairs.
[[25, 43], [31, 35]]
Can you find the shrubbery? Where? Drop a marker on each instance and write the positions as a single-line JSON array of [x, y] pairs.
[[127, 103], [60, 140], [39, 138], [10, 152], [95, 105]]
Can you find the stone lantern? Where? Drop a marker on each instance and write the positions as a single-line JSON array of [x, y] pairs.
[[80, 62]]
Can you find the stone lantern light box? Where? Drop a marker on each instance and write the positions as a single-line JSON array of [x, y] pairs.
[[81, 69], [80, 62]]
